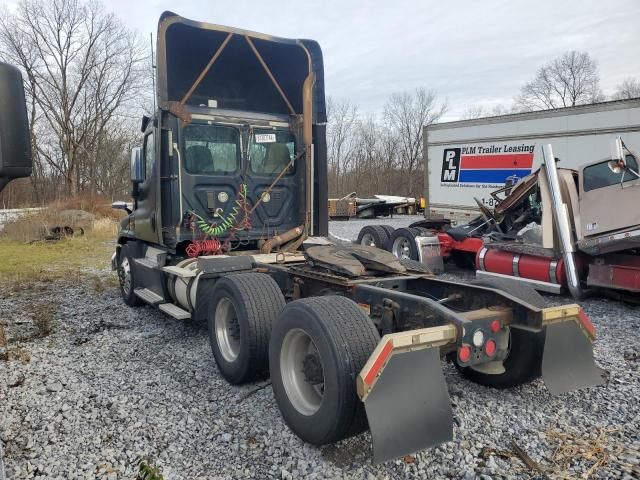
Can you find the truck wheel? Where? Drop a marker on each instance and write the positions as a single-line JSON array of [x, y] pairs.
[[373, 236], [402, 243], [243, 307], [318, 346], [126, 277], [524, 360], [389, 229]]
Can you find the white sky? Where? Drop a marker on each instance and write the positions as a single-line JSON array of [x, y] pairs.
[[470, 52]]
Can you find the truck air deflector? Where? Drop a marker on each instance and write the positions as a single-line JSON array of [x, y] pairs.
[[237, 69]]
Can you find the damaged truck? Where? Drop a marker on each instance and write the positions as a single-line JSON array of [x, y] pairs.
[[556, 230], [229, 226]]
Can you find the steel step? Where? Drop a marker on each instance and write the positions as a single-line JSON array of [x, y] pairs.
[[145, 262], [148, 296], [175, 311], [179, 272]]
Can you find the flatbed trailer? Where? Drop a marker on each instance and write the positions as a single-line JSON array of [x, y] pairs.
[[351, 337]]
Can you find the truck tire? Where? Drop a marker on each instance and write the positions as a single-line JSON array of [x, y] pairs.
[[374, 236], [402, 243], [524, 360], [318, 346], [242, 310], [389, 229], [126, 277]]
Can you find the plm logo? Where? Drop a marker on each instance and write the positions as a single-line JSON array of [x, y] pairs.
[[450, 165]]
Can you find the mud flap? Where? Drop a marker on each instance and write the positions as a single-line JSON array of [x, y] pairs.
[[567, 361], [409, 409]]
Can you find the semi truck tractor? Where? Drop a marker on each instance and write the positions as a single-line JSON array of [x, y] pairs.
[[228, 226]]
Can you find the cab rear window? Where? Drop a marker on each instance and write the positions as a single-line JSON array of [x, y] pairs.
[[211, 149], [600, 175], [270, 151]]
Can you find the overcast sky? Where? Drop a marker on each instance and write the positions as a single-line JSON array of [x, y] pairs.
[[470, 52]]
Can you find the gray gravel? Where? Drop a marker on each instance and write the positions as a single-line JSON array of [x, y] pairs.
[[113, 384]]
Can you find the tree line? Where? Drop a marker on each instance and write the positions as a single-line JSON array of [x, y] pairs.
[[88, 78], [86, 75]]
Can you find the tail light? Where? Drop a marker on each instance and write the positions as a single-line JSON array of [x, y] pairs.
[[464, 353]]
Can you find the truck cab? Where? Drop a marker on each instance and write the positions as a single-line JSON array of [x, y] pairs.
[[236, 149], [608, 193]]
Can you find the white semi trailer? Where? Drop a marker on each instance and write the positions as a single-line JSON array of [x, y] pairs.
[[469, 159]]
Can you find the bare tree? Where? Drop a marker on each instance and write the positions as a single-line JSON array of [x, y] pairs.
[[82, 69], [629, 88], [569, 80], [342, 119], [406, 114]]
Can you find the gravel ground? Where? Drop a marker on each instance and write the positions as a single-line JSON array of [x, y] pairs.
[[111, 385]]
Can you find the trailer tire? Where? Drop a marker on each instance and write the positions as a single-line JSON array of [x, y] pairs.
[[127, 278], [339, 338], [524, 361], [402, 243], [374, 236], [242, 309]]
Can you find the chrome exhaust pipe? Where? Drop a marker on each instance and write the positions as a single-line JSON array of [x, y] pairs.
[[562, 223]]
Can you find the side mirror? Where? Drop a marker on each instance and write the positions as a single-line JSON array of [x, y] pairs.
[[617, 150], [137, 169], [15, 142], [616, 166]]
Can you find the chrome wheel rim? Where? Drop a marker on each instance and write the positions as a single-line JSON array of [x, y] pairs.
[[124, 275], [401, 248], [227, 330], [302, 372], [367, 239]]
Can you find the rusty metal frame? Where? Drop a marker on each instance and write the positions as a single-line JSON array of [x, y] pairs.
[[206, 69], [268, 72]]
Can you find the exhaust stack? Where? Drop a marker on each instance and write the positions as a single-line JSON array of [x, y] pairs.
[[562, 223]]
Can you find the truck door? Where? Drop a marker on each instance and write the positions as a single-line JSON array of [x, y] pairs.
[[146, 224], [608, 200]]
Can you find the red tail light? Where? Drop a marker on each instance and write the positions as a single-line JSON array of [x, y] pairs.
[[490, 348], [464, 353], [495, 326]]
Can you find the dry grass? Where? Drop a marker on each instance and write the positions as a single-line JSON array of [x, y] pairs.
[[105, 228], [3, 336], [597, 451], [43, 315], [98, 206], [15, 353]]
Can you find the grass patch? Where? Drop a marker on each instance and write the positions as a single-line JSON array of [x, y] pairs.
[[148, 471], [50, 261]]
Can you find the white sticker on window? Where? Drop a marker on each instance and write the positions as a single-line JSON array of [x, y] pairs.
[[265, 137]]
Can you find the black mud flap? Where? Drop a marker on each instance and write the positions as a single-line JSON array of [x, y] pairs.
[[567, 362], [409, 407]]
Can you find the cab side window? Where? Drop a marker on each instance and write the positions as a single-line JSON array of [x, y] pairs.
[[600, 175], [149, 155]]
